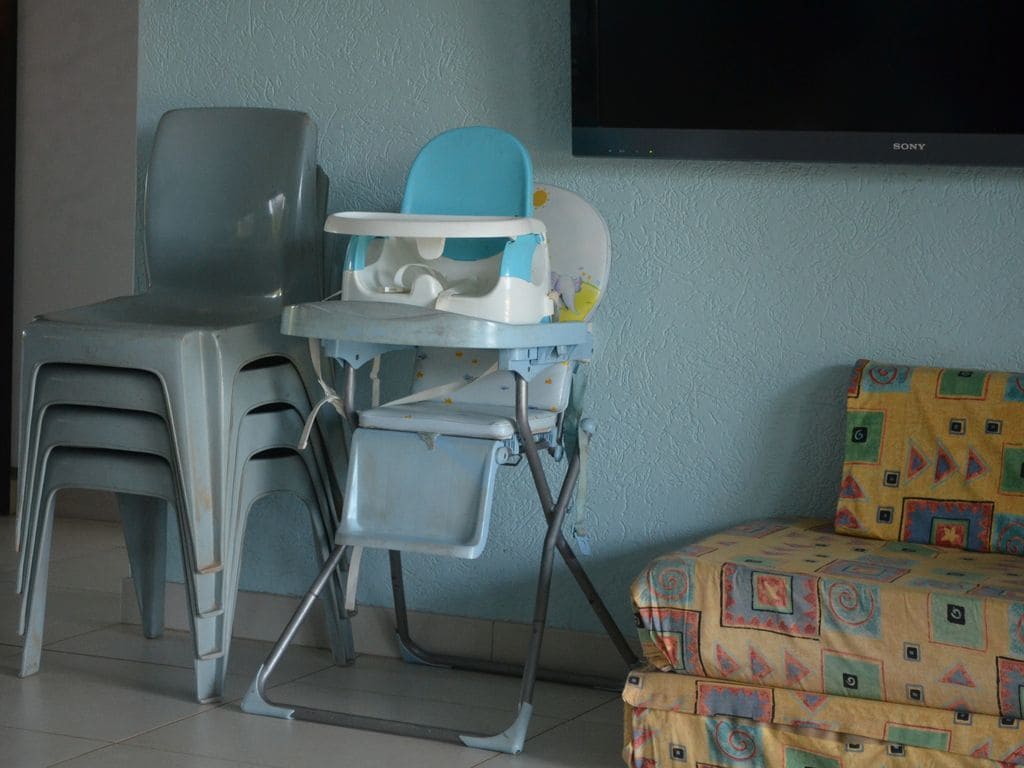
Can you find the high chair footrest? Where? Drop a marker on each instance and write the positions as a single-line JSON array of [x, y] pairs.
[[487, 422], [419, 493]]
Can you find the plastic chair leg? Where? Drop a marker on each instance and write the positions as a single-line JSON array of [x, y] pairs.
[[144, 520], [32, 651]]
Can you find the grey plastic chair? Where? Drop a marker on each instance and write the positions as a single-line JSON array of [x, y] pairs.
[[275, 380], [145, 519], [231, 235], [81, 385]]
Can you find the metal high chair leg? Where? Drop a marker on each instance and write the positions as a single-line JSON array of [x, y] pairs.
[[413, 652], [510, 740]]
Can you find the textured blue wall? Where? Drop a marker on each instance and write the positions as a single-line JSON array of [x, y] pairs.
[[741, 291]]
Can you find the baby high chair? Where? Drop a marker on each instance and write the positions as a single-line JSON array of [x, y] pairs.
[[463, 275]]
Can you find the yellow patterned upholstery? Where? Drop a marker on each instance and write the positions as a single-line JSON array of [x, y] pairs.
[[687, 721], [787, 643], [788, 604], [936, 456]]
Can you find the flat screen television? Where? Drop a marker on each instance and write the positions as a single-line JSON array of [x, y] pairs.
[[895, 81]]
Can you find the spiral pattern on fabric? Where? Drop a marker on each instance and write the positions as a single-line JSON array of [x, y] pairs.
[[668, 580], [1011, 540], [849, 605], [735, 741], [883, 375]]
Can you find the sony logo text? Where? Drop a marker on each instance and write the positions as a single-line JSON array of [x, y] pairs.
[[905, 146]]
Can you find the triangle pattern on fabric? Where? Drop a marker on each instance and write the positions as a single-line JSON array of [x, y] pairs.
[[944, 464], [811, 700], [759, 666], [795, 671], [958, 675], [917, 462], [846, 519], [850, 489], [726, 663], [1013, 758], [975, 466]]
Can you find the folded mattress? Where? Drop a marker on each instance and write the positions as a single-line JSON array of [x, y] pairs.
[[788, 604], [676, 719]]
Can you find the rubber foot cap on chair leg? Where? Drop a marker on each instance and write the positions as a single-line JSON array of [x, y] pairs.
[[510, 741], [255, 704]]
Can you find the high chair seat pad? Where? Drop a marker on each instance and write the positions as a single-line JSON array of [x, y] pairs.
[[492, 422], [788, 603]]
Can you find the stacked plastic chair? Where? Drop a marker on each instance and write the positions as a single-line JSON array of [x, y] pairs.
[[174, 397], [477, 281], [890, 635]]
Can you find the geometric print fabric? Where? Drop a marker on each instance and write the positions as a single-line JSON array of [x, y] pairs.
[[674, 719], [934, 456], [787, 604], [786, 643]]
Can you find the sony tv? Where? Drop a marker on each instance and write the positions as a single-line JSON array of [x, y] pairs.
[[892, 81]]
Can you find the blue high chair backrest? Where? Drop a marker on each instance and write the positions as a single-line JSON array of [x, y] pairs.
[[231, 204], [476, 171]]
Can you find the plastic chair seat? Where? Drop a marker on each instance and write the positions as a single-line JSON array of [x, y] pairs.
[[490, 422], [157, 309]]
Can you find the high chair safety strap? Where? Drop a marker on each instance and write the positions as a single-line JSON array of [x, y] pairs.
[[330, 396], [441, 389], [578, 439]]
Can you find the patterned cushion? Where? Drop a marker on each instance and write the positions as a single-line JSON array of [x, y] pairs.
[[788, 604], [672, 716], [935, 456]]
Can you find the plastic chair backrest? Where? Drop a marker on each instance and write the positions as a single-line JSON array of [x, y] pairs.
[[580, 249], [231, 204], [476, 171]]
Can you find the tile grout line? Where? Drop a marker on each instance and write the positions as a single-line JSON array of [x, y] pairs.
[[572, 719], [89, 752], [205, 709], [105, 742], [83, 655], [48, 647], [166, 751]]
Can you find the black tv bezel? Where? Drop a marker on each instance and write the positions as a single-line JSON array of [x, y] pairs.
[[889, 147]]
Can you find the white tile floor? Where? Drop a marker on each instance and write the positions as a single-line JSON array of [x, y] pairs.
[[108, 697]]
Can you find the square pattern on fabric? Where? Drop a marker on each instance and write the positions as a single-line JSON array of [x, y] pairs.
[[934, 456], [839, 615], [774, 602]]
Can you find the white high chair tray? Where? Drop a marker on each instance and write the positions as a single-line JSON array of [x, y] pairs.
[[430, 226], [402, 325]]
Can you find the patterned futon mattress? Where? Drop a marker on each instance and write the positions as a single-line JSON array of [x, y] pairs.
[[679, 719], [788, 604]]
